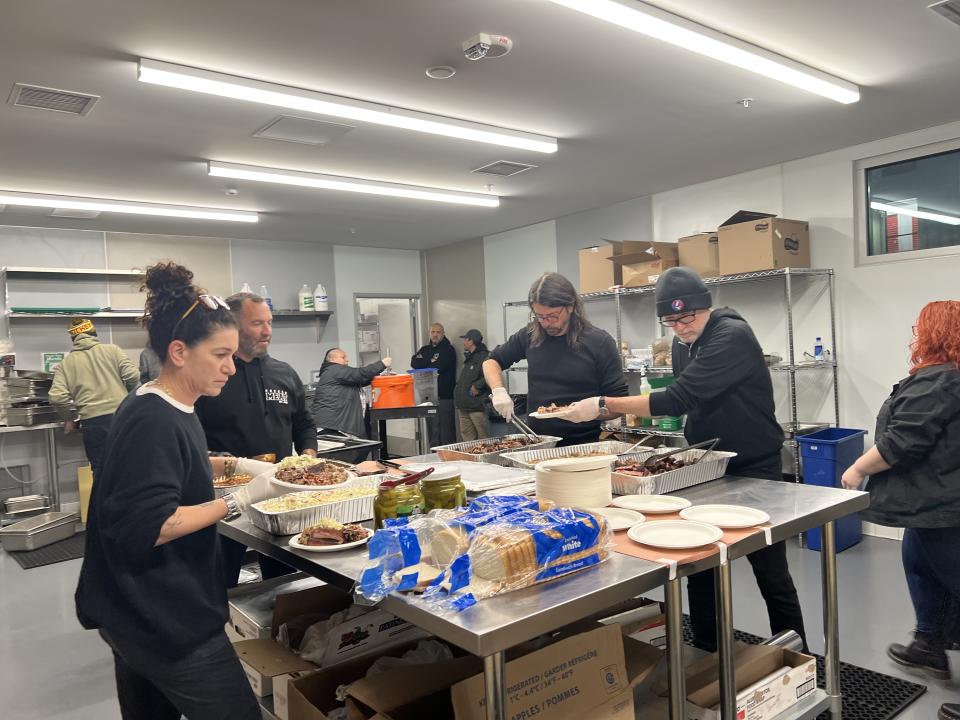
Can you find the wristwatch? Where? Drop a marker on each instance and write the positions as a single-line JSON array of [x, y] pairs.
[[602, 405], [233, 510]]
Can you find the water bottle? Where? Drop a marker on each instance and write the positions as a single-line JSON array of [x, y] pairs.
[[265, 294], [305, 299], [320, 300], [246, 288], [818, 350], [645, 389]]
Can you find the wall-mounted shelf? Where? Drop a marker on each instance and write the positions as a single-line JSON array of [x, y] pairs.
[[69, 272], [303, 313], [67, 316]]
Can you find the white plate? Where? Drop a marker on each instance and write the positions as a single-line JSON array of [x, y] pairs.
[[618, 518], [329, 548], [296, 486], [725, 516], [652, 504], [559, 415], [675, 534], [577, 464]]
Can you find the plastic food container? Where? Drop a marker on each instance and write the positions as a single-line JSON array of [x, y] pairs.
[[392, 391], [39, 531]]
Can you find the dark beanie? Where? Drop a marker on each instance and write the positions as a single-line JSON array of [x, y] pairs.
[[680, 290]]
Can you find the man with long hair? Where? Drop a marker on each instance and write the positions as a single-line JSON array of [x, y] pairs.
[[567, 359]]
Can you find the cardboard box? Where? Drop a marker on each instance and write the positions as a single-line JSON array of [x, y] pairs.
[[281, 691], [701, 253], [590, 674], [264, 659], [751, 241], [644, 263], [597, 274], [643, 621], [374, 631], [252, 605]]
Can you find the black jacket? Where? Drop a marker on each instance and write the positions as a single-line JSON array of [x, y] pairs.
[[560, 374], [472, 374], [724, 388], [336, 399], [443, 358], [261, 409], [918, 435]]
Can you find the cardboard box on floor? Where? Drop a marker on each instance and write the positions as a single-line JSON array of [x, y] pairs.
[[265, 659], [644, 263], [701, 253], [591, 673], [597, 273], [751, 241], [757, 698], [251, 605]]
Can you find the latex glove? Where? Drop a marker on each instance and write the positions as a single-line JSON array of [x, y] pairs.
[[387, 361], [260, 488], [582, 411], [246, 466], [502, 403], [852, 478]]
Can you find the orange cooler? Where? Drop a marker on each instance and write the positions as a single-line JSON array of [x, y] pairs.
[[392, 391]]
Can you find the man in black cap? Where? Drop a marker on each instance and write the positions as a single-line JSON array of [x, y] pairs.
[[724, 388], [471, 388]]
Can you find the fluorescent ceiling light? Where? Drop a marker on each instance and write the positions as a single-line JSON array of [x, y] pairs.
[[238, 88], [123, 206], [661, 25], [922, 214], [348, 184]]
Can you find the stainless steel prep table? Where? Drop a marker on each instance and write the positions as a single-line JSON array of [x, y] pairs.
[[496, 624]]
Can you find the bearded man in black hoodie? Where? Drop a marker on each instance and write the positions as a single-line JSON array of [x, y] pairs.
[[724, 388], [439, 354]]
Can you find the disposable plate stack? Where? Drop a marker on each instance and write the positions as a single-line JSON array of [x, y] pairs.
[[576, 482]]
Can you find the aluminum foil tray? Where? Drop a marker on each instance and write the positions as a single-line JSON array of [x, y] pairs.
[[529, 458], [711, 467], [458, 451], [291, 522]]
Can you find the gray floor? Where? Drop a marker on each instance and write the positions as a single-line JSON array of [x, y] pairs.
[[52, 669]]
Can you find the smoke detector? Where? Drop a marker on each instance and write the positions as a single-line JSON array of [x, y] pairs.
[[484, 45]]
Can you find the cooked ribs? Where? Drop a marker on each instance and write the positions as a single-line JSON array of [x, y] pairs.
[[660, 466]]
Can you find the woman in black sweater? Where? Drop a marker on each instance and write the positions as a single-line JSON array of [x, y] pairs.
[[151, 579]]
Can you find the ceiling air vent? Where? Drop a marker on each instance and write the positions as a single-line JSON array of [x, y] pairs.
[[503, 168], [76, 214], [42, 98], [302, 130], [950, 9]]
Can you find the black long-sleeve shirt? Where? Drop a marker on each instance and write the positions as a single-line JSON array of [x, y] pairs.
[[169, 598], [443, 358], [557, 373], [261, 409], [724, 388]]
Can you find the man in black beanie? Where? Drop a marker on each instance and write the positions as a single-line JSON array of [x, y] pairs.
[[724, 388]]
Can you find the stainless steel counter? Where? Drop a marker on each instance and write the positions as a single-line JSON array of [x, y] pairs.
[[495, 624]]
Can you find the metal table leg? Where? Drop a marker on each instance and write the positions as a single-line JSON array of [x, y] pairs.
[[673, 596], [494, 686], [723, 593], [52, 469], [831, 617]]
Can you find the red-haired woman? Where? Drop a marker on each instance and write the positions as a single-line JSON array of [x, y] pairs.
[[914, 471]]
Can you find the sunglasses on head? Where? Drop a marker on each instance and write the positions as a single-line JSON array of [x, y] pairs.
[[210, 302]]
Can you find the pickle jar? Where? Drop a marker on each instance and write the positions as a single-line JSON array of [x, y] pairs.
[[397, 501], [443, 488]]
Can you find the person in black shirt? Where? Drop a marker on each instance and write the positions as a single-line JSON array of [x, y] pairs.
[[567, 358], [724, 388], [262, 410], [150, 580], [440, 355]]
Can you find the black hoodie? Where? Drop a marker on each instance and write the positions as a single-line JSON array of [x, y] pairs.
[[724, 388], [443, 358]]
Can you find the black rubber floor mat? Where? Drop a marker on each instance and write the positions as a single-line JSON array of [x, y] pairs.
[[69, 549], [867, 694]]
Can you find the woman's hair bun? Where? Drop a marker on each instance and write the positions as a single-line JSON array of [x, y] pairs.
[[168, 277]]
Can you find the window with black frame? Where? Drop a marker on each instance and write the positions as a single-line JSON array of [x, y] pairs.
[[913, 204]]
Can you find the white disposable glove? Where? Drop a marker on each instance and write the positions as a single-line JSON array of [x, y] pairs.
[[260, 488], [387, 361], [502, 403], [582, 411], [246, 466]]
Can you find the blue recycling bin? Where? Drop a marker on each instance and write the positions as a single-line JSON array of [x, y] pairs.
[[825, 455]]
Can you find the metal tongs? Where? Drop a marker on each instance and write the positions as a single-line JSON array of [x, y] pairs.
[[659, 456], [637, 444], [409, 477], [524, 429]]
